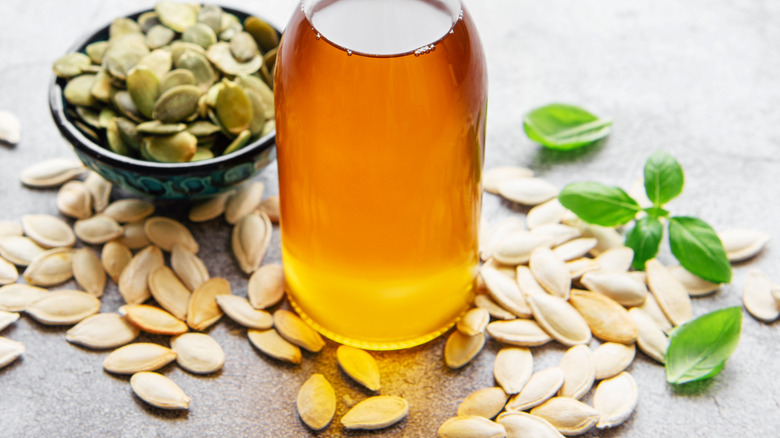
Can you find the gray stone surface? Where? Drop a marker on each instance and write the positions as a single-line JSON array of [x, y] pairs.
[[697, 78]]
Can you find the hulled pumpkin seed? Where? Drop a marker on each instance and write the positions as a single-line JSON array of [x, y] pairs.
[[115, 257], [560, 319], [240, 311], [474, 321], [200, 34], [166, 232], [176, 148], [133, 281], [376, 412], [138, 357], [159, 391], [159, 62], [669, 292], [211, 15], [470, 426], [152, 319], [270, 343], [292, 328], [520, 424], [569, 416], [9, 351], [53, 267], [550, 272], [540, 387], [518, 332], [742, 244], [198, 353], [512, 368], [158, 36], [270, 206], [176, 104], [758, 297], [176, 77], [233, 108], [527, 191], [243, 202], [63, 307], [695, 285], [143, 85], [19, 250], [516, 248], [250, 240], [220, 55], [48, 231], [505, 292], [16, 297], [71, 65], [8, 272], [209, 209], [550, 212], [202, 310], [101, 331], [615, 400], [199, 66], [611, 358], [619, 286], [579, 371], [495, 311], [78, 91], [156, 127], [461, 349], [97, 229], [265, 35], [7, 318], [177, 16], [650, 339], [316, 402], [52, 172], [486, 402], [607, 319], [360, 366]]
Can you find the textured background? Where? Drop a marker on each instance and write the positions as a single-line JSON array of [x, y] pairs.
[[697, 78]]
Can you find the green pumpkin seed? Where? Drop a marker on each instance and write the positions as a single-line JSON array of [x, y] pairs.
[[200, 67], [101, 87], [105, 116], [176, 104], [178, 48], [158, 61], [90, 116], [124, 103], [78, 91], [229, 26], [265, 35], [147, 21], [202, 153], [176, 148], [124, 54], [121, 27], [234, 108], [95, 51], [142, 84], [155, 127], [202, 129], [177, 16], [128, 133], [243, 47], [259, 111], [175, 78], [254, 83], [239, 142], [158, 36], [200, 34], [269, 59], [115, 139], [211, 15], [221, 56], [71, 65]]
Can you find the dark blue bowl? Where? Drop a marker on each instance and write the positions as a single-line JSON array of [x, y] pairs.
[[158, 180]]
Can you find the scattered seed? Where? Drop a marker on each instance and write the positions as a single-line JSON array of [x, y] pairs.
[[19, 250], [505, 292], [134, 235], [520, 424], [669, 292], [99, 190], [316, 402], [608, 238], [516, 248], [493, 177], [461, 349], [574, 248], [758, 297], [250, 240], [579, 371], [48, 231], [550, 212], [560, 320], [243, 202], [7, 318], [166, 232], [512, 368], [616, 259], [495, 311], [612, 358], [499, 233], [270, 206], [651, 340], [203, 310], [115, 257], [376, 413], [101, 331], [618, 286], [266, 286], [88, 271], [557, 233], [16, 297], [270, 343], [10, 128], [654, 311], [51, 173], [550, 272], [541, 387], [527, 191], [471, 426], [695, 285], [189, 268], [53, 267], [742, 244], [159, 391], [9, 351], [518, 332], [169, 292], [360, 366], [527, 283], [137, 357], [198, 353], [240, 311], [129, 210], [486, 402], [8, 272], [615, 400], [209, 209], [133, 282], [569, 416], [474, 321], [97, 229], [63, 307], [8, 228], [581, 266], [607, 319], [152, 319], [292, 328]]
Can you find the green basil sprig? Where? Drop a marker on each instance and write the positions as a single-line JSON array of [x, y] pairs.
[[693, 241], [565, 127], [699, 348]]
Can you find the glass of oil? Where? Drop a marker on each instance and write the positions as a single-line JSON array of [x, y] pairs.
[[380, 119]]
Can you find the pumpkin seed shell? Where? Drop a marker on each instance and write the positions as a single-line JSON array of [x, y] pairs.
[[115, 257], [316, 402], [560, 320], [52, 172], [669, 292], [198, 353], [512, 368], [540, 387], [376, 412], [53, 267], [270, 343], [611, 358], [152, 319], [615, 400], [16, 297], [292, 328], [97, 229], [138, 357], [266, 286], [742, 244], [486, 402], [518, 332], [9, 351], [360, 366], [758, 297], [521, 424], [7, 318], [202, 310], [133, 282], [651, 340], [101, 331], [159, 391], [63, 307], [250, 240], [607, 319], [165, 233], [569, 416], [461, 349], [471, 426], [240, 311], [579, 372]]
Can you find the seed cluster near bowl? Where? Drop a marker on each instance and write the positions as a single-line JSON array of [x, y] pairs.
[[181, 83]]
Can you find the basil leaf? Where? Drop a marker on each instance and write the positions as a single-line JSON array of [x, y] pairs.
[[645, 239], [664, 178], [656, 212], [564, 127], [699, 348], [599, 204], [698, 249]]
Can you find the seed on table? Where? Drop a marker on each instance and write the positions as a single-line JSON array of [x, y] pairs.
[[101, 331], [542, 386], [505, 292], [159, 391], [579, 371], [266, 286], [618, 286], [292, 328], [607, 319], [202, 310], [527, 191], [574, 248], [518, 332], [239, 310], [758, 298], [243, 202], [169, 292], [550, 272], [512, 368], [471, 426], [250, 240], [654, 311], [198, 353], [557, 233], [495, 311], [48, 231], [376, 412], [608, 237], [742, 244], [486, 402], [188, 267], [166, 232], [10, 128], [8, 228], [560, 319], [527, 283], [9, 351], [581, 266], [270, 343], [520, 424], [152, 319], [550, 212], [493, 177], [99, 189], [615, 400], [209, 209], [611, 358], [63, 307], [516, 248], [8, 272], [16, 297], [569, 416], [271, 207], [360, 366], [473, 321], [137, 357], [52, 173], [695, 285], [499, 233], [669, 292], [460, 349], [88, 271], [129, 210], [115, 257], [97, 229], [19, 250], [651, 340], [134, 235], [7, 318], [53, 267], [616, 259], [133, 282], [316, 402]]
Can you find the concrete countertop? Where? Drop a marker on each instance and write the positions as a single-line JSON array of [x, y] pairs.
[[697, 78]]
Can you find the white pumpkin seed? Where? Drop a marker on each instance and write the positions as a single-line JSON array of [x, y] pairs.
[[209, 209], [505, 292], [569, 416], [270, 343], [133, 282], [495, 311], [16, 297], [152, 319], [650, 339], [550, 272], [495, 176], [615, 400], [607, 319], [243, 202], [8, 272], [560, 320], [292, 328], [461, 349], [742, 244], [99, 189], [63, 307], [470, 426], [166, 232], [579, 371], [499, 232], [129, 210], [376, 412], [521, 424], [48, 231], [608, 238], [53, 267], [527, 191], [695, 285], [527, 283], [670, 294], [202, 310], [134, 235], [198, 353], [271, 207], [101, 331], [574, 248], [507, 270], [512, 368], [9, 351], [474, 321], [557, 233], [486, 402], [250, 240], [8, 228], [7, 318], [19, 250], [74, 200], [619, 286], [758, 297], [88, 271], [540, 387], [516, 248], [169, 292], [10, 128], [159, 391], [654, 311], [115, 257], [266, 286], [616, 259], [316, 402], [518, 332], [581, 266], [360, 366], [190, 269], [611, 358], [52, 172], [97, 229], [239, 310], [137, 357], [550, 212]]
